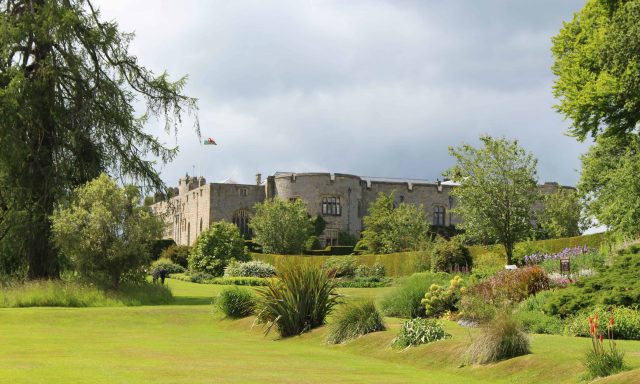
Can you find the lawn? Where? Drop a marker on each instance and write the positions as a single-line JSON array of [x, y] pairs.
[[186, 343]]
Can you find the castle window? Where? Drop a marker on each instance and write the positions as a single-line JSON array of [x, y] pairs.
[[402, 198], [241, 220], [330, 237], [331, 206], [243, 192], [438, 215]]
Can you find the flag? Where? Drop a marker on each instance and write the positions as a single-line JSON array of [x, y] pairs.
[[210, 141]]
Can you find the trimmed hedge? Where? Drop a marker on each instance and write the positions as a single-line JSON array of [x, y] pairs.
[[550, 246], [250, 281]]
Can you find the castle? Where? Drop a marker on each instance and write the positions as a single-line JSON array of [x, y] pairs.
[[342, 200]]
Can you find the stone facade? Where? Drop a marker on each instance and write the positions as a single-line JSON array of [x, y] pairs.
[[341, 199]]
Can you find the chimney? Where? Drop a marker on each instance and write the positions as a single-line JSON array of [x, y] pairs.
[[258, 178]]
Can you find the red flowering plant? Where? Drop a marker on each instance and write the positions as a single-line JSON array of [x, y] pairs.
[[603, 359]]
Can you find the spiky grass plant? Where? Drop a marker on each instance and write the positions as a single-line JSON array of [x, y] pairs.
[[502, 338], [297, 301], [354, 320], [236, 302]]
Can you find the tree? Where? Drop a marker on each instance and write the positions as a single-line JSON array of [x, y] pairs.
[[215, 247], [497, 191], [561, 214], [389, 229], [610, 185], [68, 84], [105, 231], [281, 226], [596, 64]]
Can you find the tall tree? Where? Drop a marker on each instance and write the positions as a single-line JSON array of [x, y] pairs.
[[281, 226], [68, 84], [497, 191], [561, 214]]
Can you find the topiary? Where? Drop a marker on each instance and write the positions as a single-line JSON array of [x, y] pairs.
[[215, 247]]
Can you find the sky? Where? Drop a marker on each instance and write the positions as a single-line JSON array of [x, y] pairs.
[[372, 88]]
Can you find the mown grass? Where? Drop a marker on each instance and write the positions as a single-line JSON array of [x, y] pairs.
[[58, 293]]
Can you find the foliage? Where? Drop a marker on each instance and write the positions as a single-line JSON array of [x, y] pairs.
[[375, 270], [561, 215], [626, 326], [341, 266], [159, 246], [281, 226], [204, 278], [167, 266], [58, 293], [216, 247], [390, 228], [353, 320], [312, 243], [105, 231], [527, 248], [68, 85], [364, 282], [318, 225], [298, 301], [450, 255], [497, 192], [601, 360], [540, 322], [249, 269], [439, 300], [345, 238], [502, 338], [616, 285], [419, 331], [405, 299], [179, 254], [236, 302]]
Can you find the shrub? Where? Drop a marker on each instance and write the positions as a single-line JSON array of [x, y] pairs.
[[298, 301], [439, 300], [199, 277], [526, 248], [249, 269], [375, 270], [502, 338], [354, 320], [281, 226], [450, 255], [203, 278], [364, 282], [235, 302], [626, 326], [540, 322], [312, 243], [157, 247], [405, 299], [215, 247], [167, 266], [419, 331], [344, 266], [602, 359], [345, 238], [179, 254]]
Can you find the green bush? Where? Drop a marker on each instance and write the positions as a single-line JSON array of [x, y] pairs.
[[312, 243], [167, 266], [439, 300], [215, 247], [249, 269], [616, 285], [526, 248], [450, 255], [340, 249], [625, 327], [405, 299], [347, 239], [158, 247], [502, 338], [354, 320], [298, 301], [57, 293], [203, 278], [419, 331], [343, 266], [376, 270], [236, 302], [540, 322], [179, 254], [364, 282]]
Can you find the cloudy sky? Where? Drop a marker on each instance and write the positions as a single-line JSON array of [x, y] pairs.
[[373, 88]]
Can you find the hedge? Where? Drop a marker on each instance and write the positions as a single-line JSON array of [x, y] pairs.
[[550, 245]]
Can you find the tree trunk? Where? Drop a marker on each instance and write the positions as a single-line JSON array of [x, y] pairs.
[[509, 251]]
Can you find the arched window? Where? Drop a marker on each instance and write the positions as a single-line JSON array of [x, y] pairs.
[[438, 215], [241, 219]]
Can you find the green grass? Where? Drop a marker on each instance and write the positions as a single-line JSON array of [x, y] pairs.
[[188, 344]]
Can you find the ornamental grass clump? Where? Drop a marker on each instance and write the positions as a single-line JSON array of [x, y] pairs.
[[236, 302], [603, 359], [419, 331], [299, 300], [353, 321], [502, 338]]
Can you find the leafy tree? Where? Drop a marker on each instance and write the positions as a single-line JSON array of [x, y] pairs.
[[105, 231], [497, 192], [68, 84], [597, 57], [215, 247], [389, 229], [281, 226], [561, 214], [610, 183]]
